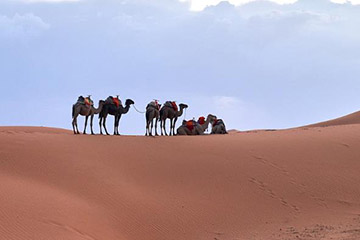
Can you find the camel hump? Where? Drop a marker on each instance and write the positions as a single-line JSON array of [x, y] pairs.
[[153, 104], [113, 100], [81, 99], [88, 101], [171, 104], [218, 122], [190, 124], [168, 104], [85, 100]]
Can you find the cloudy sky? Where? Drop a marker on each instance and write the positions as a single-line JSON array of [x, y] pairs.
[[256, 64]]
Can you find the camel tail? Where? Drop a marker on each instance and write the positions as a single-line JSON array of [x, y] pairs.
[[73, 110]]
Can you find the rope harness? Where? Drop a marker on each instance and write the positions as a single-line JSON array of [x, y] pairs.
[[138, 110]]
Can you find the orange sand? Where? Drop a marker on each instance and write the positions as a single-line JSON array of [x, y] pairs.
[[291, 184]]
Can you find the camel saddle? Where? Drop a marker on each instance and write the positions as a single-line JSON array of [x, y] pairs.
[[190, 124], [85, 101], [154, 104], [201, 120], [217, 122], [88, 101], [172, 105], [116, 102], [113, 100]]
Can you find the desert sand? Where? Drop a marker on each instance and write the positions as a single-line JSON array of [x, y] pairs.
[[299, 183]]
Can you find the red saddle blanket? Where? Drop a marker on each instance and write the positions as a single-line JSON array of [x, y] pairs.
[[174, 106], [88, 101], [116, 101], [190, 125], [201, 120]]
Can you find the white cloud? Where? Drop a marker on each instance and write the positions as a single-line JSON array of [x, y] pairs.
[[354, 2], [22, 25], [199, 5]]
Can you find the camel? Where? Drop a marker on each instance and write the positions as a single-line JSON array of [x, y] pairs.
[[167, 111], [218, 127], [80, 108], [112, 109], [152, 111], [197, 129]]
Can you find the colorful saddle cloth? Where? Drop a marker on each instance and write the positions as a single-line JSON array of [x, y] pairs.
[[154, 104], [88, 101], [201, 120], [113, 100], [190, 125], [116, 101], [85, 101], [172, 105]]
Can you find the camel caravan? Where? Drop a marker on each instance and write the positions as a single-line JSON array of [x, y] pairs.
[[155, 112]]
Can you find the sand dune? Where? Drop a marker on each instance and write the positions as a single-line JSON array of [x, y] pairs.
[[353, 118], [292, 184]]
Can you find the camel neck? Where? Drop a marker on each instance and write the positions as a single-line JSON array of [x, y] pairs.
[[179, 113], [126, 109], [206, 124]]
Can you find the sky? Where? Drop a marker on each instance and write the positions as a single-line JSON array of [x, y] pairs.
[[255, 64]]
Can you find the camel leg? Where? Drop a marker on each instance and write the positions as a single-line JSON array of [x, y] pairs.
[[161, 127], [86, 120], [73, 123], [174, 124], [152, 126], [156, 122], [147, 128], [117, 124], [171, 126], [164, 125], [77, 127], [100, 121], [91, 124], [104, 125]]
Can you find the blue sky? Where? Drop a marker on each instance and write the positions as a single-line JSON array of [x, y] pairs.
[[255, 64]]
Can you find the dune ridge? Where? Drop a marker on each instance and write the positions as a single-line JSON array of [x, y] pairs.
[[353, 118], [289, 184]]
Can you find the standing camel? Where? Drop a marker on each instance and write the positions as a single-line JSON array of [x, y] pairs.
[[84, 108], [195, 128], [116, 111], [152, 112], [168, 111]]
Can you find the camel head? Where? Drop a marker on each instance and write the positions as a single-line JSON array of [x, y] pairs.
[[211, 117], [128, 102], [182, 105], [101, 102]]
